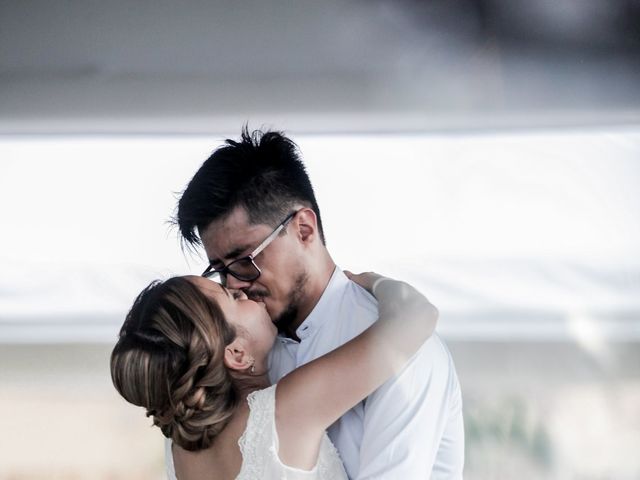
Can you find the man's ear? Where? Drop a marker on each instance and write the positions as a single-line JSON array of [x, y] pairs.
[[236, 357], [306, 225]]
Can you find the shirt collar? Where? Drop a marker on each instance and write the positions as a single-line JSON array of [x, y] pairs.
[[329, 299]]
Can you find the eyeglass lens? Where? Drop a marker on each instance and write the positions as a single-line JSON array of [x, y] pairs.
[[243, 269]]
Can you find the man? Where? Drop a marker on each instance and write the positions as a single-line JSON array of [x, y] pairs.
[[251, 205]]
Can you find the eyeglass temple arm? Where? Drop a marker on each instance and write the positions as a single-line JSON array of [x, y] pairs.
[[270, 238], [266, 241], [207, 270]]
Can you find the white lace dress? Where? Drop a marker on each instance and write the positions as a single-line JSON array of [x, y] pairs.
[[259, 447]]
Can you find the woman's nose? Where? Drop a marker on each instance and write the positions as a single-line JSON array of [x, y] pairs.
[[238, 293], [234, 284]]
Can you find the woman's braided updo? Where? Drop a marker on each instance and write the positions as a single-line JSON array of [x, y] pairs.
[[169, 360]]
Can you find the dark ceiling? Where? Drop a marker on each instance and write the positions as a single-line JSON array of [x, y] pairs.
[[333, 66]]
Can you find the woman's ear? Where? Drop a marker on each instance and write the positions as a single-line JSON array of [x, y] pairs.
[[236, 356]]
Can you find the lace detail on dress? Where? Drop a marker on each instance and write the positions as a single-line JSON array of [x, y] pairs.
[[330, 465], [254, 441], [258, 445]]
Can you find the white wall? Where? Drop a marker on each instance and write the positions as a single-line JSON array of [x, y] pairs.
[[540, 227]]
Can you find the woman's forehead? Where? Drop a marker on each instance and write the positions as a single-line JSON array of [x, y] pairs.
[[206, 286]]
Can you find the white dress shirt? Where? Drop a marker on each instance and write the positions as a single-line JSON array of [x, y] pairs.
[[411, 427]]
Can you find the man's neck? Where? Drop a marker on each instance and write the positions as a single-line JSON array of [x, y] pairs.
[[314, 288]]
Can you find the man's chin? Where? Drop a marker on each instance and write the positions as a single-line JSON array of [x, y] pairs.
[[285, 320]]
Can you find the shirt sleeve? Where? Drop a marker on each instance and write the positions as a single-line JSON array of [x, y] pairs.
[[413, 423]]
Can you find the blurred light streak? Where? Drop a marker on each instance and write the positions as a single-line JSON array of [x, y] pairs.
[[589, 334]]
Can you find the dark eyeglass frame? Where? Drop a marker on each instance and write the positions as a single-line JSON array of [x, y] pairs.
[[226, 270]]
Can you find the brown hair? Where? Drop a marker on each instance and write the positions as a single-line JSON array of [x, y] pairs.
[[169, 360]]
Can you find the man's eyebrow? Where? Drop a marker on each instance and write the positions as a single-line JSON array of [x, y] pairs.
[[231, 255], [235, 252]]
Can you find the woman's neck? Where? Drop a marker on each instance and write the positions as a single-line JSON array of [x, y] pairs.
[[250, 383]]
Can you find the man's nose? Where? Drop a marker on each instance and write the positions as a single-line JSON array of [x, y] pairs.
[[234, 284]]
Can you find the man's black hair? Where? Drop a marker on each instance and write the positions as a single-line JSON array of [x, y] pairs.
[[262, 173]]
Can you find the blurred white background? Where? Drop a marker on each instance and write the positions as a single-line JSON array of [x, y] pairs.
[[487, 151]]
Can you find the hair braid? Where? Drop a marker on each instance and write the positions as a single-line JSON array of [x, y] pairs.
[[169, 359]]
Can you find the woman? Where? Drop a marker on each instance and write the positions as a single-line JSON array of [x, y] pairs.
[[194, 354]]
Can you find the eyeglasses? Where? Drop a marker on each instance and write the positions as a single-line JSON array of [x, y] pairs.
[[245, 269]]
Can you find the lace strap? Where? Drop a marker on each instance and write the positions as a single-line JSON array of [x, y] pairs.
[[256, 438]]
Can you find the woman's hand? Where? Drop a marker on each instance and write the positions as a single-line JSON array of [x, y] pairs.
[[366, 279]]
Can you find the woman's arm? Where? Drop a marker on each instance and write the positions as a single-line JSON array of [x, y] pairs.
[[312, 397]]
